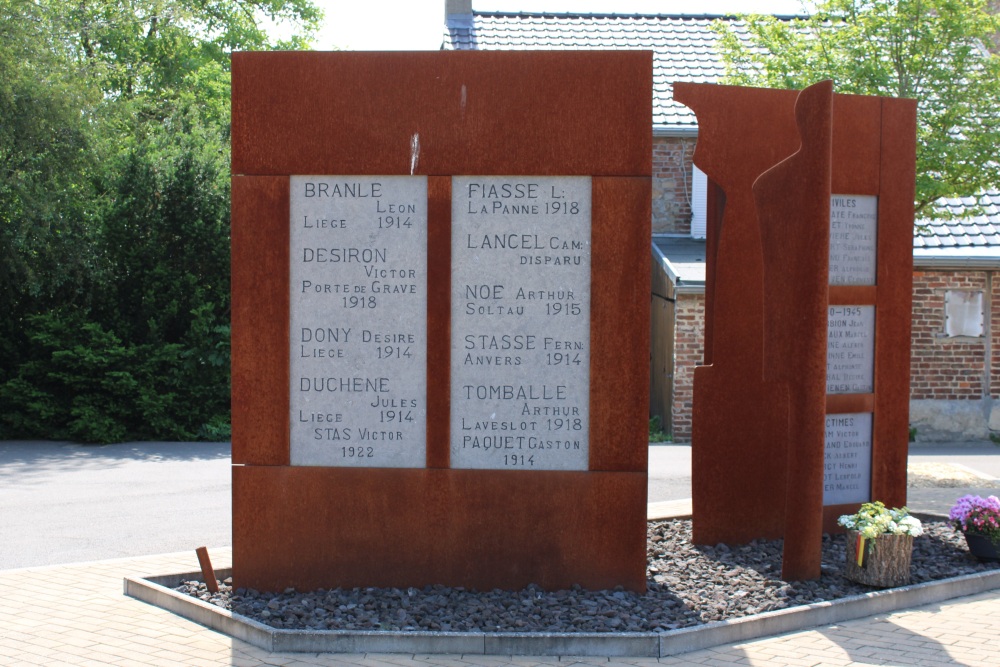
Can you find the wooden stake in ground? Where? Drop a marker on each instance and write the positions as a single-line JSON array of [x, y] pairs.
[[207, 573]]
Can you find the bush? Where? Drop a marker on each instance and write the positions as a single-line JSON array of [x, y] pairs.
[[84, 383], [146, 354]]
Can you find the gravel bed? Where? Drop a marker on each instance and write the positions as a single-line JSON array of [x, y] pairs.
[[686, 586]]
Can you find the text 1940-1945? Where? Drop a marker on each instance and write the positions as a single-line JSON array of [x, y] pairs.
[[850, 350]]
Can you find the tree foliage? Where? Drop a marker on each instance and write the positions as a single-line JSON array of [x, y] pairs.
[[114, 212], [149, 52], [45, 164], [931, 50]]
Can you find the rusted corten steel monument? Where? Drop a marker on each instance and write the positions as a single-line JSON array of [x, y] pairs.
[[303, 120], [801, 408]]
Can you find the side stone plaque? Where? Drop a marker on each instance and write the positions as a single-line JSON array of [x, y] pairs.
[[848, 457], [850, 350], [520, 358], [853, 236], [358, 326]]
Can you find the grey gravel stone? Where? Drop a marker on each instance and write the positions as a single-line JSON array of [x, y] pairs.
[[686, 586]]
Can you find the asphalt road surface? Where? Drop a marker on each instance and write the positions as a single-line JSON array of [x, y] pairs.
[[669, 473], [66, 503], [983, 457]]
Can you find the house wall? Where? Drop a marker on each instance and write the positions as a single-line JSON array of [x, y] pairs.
[[672, 184], [941, 367], [688, 351], [954, 381], [672, 164]]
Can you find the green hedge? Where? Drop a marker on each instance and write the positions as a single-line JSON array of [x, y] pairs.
[[141, 349]]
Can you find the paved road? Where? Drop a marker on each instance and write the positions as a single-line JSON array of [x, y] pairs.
[[669, 472], [983, 457], [65, 503]]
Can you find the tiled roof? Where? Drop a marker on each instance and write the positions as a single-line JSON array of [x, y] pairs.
[[976, 231], [953, 242], [683, 46], [684, 50]]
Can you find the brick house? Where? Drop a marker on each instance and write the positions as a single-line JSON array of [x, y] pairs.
[[955, 360]]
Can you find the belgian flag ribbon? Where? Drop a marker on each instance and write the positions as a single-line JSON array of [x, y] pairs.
[[860, 549]]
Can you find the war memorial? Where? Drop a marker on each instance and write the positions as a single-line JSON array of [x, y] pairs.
[[441, 317]]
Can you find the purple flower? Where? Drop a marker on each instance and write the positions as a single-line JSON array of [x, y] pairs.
[[977, 514]]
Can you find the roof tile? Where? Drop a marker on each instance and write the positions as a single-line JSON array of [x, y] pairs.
[[683, 46], [967, 222], [684, 49]]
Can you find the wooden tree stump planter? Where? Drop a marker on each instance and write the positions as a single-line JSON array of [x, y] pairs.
[[886, 563]]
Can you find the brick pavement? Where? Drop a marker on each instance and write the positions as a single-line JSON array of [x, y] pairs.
[[77, 615]]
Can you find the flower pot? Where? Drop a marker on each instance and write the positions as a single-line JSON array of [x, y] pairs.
[[981, 546], [886, 563]]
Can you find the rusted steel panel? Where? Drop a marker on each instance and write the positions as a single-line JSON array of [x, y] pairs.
[[895, 294], [843, 403], [857, 125], [759, 407], [619, 302], [833, 512], [474, 528], [260, 301], [512, 113], [793, 206], [442, 114], [438, 321], [852, 295], [739, 430]]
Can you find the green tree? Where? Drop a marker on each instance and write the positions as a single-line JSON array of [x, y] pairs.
[[47, 192], [148, 356], [114, 212], [931, 50], [147, 56], [138, 46]]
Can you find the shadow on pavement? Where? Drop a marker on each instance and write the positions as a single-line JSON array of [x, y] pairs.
[[19, 458], [884, 642]]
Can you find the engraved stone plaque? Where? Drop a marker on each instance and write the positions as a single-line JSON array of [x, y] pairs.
[[848, 459], [850, 350], [358, 329], [520, 355], [853, 236]]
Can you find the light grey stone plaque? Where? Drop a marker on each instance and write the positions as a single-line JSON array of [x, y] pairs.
[[847, 477], [853, 237], [358, 329], [964, 313], [520, 354], [850, 350]]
